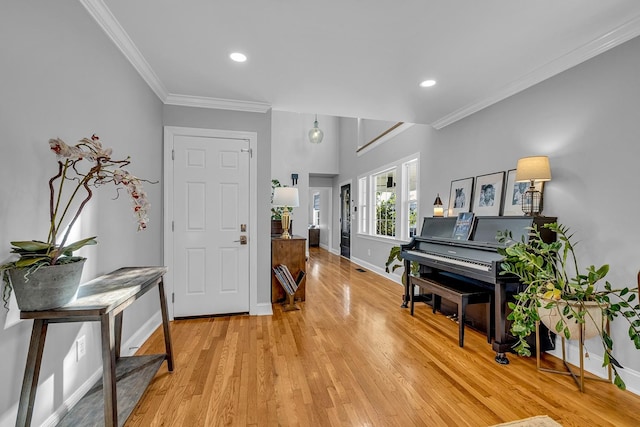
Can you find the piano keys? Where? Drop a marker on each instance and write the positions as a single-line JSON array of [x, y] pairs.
[[476, 259]]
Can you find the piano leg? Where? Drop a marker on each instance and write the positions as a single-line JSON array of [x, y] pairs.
[[407, 284], [502, 359], [500, 343]]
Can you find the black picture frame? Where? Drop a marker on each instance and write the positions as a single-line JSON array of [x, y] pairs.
[[487, 194], [513, 193], [460, 196]]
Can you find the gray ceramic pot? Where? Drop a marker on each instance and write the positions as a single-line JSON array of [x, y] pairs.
[[48, 287]]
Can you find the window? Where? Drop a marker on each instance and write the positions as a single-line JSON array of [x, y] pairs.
[[388, 200], [363, 218], [411, 196], [385, 203], [316, 209]]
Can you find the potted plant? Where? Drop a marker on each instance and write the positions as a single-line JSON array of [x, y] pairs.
[[276, 212], [46, 274], [395, 261], [559, 293]]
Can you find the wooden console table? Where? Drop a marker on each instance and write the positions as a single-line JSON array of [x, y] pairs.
[[102, 300], [292, 253]]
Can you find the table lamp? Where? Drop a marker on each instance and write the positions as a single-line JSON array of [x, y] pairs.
[[438, 210], [285, 197], [533, 169]]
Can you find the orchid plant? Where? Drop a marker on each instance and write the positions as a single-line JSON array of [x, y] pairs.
[[81, 169]]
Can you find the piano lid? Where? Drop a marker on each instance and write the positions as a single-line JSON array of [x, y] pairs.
[[438, 227], [485, 229]]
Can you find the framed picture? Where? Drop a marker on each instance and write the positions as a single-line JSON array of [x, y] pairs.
[[460, 196], [513, 193], [487, 194]]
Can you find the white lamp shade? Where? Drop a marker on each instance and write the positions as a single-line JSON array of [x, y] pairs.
[[286, 196], [535, 168]]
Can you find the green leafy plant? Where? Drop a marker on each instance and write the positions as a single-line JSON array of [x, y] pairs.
[[276, 212], [396, 261], [386, 215], [81, 169], [553, 280]]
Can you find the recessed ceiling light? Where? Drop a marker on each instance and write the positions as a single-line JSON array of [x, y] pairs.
[[238, 57], [428, 83]]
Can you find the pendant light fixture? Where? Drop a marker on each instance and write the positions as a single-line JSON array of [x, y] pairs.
[[315, 134]]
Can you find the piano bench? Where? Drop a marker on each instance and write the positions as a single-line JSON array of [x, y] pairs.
[[460, 293]]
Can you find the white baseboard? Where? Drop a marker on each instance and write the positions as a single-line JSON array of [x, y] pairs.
[[262, 309], [378, 270], [70, 402]]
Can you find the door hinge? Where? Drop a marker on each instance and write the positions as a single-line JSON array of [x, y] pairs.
[[247, 150], [173, 298], [173, 154], [172, 226]]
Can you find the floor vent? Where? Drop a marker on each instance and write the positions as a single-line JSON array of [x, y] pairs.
[[361, 270]]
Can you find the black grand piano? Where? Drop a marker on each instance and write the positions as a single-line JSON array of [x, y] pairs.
[[473, 261]]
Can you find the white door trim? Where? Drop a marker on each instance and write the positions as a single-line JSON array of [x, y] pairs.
[[169, 133], [329, 204]]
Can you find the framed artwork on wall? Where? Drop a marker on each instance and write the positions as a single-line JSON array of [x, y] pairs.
[[460, 196], [487, 194], [513, 194]]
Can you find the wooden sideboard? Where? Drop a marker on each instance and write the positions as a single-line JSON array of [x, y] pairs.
[[292, 253]]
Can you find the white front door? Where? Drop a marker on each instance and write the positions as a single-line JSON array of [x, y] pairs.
[[210, 225]]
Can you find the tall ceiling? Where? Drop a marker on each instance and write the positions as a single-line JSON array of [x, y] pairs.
[[359, 58]]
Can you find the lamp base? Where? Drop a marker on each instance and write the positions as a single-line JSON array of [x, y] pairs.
[[286, 222], [532, 201]]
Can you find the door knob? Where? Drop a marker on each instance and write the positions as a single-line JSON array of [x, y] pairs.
[[243, 240]]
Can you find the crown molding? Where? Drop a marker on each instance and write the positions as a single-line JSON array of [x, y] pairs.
[[105, 19], [109, 24], [593, 48], [216, 103]]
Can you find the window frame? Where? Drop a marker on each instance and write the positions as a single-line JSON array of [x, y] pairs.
[[363, 205], [375, 220], [367, 206], [406, 190]]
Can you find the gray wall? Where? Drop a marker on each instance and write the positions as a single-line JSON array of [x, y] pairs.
[[250, 122], [587, 120], [62, 77], [293, 153]]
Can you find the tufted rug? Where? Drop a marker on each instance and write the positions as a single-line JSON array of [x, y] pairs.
[[539, 421]]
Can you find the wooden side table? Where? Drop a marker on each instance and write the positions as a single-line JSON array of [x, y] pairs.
[[314, 237], [102, 300], [292, 253]]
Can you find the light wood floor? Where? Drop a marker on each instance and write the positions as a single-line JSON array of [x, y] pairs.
[[353, 357]]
